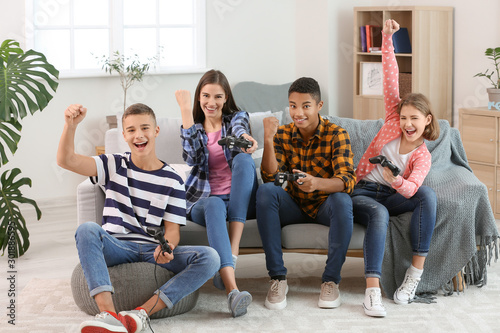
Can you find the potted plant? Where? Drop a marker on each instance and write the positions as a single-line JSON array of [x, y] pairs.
[[129, 68], [24, 77], [494, 92]]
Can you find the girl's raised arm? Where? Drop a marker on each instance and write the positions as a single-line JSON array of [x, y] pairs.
[[390, 70]]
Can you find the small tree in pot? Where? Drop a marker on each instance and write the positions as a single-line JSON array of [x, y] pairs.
[[129, 68]]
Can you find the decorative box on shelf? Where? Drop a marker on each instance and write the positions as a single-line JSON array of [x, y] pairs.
[[111, 120], [99, 150]]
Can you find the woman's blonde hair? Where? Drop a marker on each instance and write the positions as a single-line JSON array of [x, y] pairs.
[[421, 103]]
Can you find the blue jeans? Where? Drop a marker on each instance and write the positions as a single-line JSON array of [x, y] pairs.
[[214, 211], [98, 250], [276, 209], [373, 203]]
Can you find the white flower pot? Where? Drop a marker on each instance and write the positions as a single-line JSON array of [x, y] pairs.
[[493, 94]]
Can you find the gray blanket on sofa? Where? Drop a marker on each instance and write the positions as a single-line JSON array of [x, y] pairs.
[[464, 222]]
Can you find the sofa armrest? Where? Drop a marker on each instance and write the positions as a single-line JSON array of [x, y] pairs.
[[89, 202]]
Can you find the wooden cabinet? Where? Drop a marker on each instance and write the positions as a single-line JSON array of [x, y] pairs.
[[479, 129], [430, 64]]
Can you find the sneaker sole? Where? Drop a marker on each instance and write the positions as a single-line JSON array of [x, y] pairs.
[[132, 321], [398, 301], [329, 304], [100, 329], [373, 313], [241, 301], [276, 306]]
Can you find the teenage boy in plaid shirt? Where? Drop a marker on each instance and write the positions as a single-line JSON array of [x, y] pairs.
[[322, 152]]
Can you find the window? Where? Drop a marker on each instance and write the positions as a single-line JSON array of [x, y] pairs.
[[72, 33]]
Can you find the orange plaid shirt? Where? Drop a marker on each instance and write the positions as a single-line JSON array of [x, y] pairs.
[[327, 154]]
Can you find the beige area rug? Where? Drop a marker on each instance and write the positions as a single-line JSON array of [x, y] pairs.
[[48, 306]]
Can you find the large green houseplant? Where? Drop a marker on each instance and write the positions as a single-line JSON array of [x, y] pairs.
[[24, 77], [494, 92]]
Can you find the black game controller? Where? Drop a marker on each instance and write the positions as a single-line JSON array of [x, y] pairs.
[[232, 141], [158, 234], [282, 177], [384, 162]]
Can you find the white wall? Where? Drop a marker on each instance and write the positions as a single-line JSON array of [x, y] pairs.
[[247, 40], [256, 40]]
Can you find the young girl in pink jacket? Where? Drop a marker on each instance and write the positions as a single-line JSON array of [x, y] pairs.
[[380, 192]]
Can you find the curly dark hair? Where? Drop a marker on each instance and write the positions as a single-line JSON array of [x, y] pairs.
[[306, 85]]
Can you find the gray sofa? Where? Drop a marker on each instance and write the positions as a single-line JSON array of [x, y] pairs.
[[465, 229]]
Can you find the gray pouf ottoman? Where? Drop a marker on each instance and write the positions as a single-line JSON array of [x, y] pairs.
[[134, 284]]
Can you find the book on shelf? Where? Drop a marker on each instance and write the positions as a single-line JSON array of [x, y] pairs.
[[362, 34], [401, 41], [368, 37], [375, 36], [371, 38]]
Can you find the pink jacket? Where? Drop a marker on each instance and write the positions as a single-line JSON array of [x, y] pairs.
[[419, 163]]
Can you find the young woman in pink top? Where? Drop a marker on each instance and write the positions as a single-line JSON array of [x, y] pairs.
[[379, 193], [223, 182]]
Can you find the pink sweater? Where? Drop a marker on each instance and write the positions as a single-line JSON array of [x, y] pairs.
[[419, 163]]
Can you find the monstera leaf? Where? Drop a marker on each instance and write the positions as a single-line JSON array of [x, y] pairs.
[[13, 231], [10, 134], [23, 79]]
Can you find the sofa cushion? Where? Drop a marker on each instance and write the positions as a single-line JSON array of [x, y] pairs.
[[315, 236], [292, 236], [193, 233], [182, 169], [257, 127], [257, 97], [361, 133]]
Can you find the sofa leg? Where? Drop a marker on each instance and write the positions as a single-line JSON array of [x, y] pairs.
[[458, 282]]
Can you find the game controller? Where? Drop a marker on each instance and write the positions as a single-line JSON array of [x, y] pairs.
[[231, 141], [282, 177], [384, 162], [159, 234]]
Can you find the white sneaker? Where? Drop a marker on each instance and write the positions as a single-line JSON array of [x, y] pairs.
[[135, 320], [329, 297], [103, 322], [406, 292], [238, 302], [276, 295], [373, 303]]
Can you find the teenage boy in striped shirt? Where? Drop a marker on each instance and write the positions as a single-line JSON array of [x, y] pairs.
[[322, 152], [141, 191]]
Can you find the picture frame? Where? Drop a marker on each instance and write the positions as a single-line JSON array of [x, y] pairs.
[[370, 78]]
